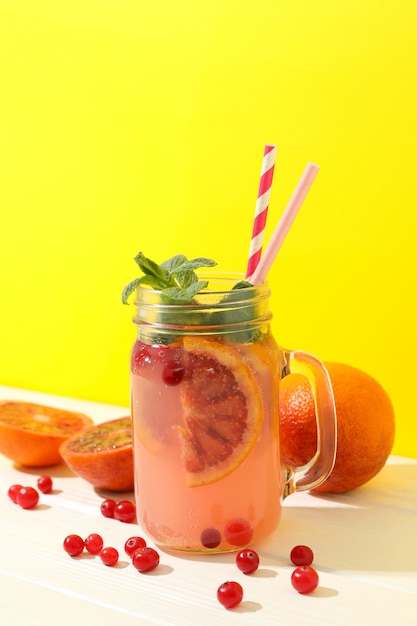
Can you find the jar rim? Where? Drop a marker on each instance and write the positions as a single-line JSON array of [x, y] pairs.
[[241, 311], [218, 278]]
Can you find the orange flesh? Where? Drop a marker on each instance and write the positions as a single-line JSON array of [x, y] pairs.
[[107, 436], [42, 419], [222, 411], [102, 455], [30, 434]]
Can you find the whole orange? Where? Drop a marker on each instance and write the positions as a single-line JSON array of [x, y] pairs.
[[365, 425]]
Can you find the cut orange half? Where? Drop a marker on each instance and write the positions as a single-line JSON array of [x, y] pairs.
[[102, 454], [30, 434], [222, 407]]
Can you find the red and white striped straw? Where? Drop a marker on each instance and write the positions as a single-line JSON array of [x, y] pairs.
[[285, 223], [261, 209]]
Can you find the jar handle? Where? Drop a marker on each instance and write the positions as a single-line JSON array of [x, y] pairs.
[[319, 467]]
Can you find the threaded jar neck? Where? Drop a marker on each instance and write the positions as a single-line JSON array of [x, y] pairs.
[[220, 309]]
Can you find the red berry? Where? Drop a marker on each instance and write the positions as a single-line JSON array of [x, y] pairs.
[[247, 561], [173, 373], [230, 594], [301, 555], [109, 556], [159, 353], [125, 511], [133, 543], [304, 579], [145, 356], [145, 559], [13, 491], [27, 497], [140, 357], [238, 532], [94, 543], [74, 545], [107, 507], [210, 537], [45, 484]]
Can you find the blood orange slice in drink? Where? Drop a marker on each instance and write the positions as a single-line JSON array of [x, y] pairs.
[[30, 434], [222, 407], [102, 454]]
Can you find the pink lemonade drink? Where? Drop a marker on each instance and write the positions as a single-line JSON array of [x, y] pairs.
[[204, 384], [217, 500]]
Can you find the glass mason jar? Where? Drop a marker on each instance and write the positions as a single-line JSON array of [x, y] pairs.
[[205, 381]]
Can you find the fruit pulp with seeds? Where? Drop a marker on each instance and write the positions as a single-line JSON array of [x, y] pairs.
[[179, 496]]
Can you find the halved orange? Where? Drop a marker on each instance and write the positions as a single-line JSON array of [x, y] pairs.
[[30, 434], [102, 454], [222, 406]]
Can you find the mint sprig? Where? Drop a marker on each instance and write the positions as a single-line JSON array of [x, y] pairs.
[[175, 277]]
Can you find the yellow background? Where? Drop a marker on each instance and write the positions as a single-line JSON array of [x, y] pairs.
[[128, 125]]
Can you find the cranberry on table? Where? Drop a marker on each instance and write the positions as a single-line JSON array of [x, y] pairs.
[[230, 594], [74, 544], [302, 555], [107, 507], [145, 559], [109, 556], [27, 497], [247, 561], [94, 543], [13, 491], [125, 511], [45, 484], [133, 543], [304, 579]]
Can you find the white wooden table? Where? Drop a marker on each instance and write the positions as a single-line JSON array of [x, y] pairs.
[[365, 545]]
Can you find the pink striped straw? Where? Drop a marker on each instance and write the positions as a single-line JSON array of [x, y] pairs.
[[284, 224], [261, 208]]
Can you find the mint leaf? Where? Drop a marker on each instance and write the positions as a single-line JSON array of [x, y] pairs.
[[194, 264], [129, 289], [178, 283], [185, 279], [242, 284], [170, 265], [151, 268], [175, 277], [151, 281], [185, 295], [183, 275]]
